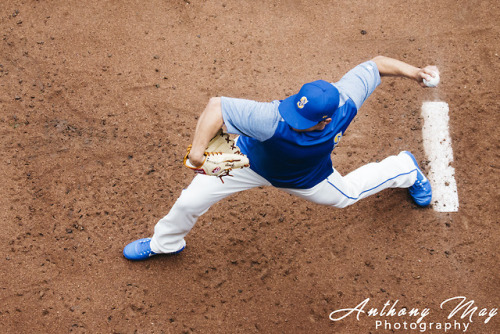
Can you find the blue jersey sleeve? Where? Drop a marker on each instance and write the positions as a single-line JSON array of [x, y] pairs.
[[257, 120], [359, 83]]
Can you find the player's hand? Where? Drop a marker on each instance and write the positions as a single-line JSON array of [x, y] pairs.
[[426, 73], [196, 159]]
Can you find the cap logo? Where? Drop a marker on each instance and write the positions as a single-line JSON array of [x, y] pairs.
[[337, 138], [302, 102]]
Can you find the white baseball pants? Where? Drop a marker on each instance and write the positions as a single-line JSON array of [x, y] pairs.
[[336, 190]]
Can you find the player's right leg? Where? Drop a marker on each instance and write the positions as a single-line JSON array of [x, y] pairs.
[[398, 171], [195, 200]]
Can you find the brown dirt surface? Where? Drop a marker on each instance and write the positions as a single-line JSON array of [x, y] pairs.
[[99, 100]]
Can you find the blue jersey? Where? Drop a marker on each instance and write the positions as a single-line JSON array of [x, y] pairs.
[[283, 156]]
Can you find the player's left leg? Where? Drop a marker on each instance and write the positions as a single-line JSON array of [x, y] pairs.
[[195, 200], [398, 171]]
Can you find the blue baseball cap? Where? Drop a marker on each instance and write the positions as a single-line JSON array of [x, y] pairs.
[[315, 102]]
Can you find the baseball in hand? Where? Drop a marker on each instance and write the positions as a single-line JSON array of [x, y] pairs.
[[434, 81]]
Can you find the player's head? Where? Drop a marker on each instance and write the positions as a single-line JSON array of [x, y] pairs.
[[315, 102]]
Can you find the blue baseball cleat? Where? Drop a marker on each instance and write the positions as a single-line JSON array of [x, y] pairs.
[[420, 191], [141, 250]]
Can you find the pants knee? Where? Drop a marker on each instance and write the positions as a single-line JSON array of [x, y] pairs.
[[191, 204], [341, 205], [184, 204]]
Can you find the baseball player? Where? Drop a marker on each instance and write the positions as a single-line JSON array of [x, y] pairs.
[[289, 144]]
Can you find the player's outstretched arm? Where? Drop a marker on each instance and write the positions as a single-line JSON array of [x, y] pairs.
[[393, 67], [209, 122]]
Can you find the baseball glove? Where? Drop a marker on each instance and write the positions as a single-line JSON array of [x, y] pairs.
[[221, 156]]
